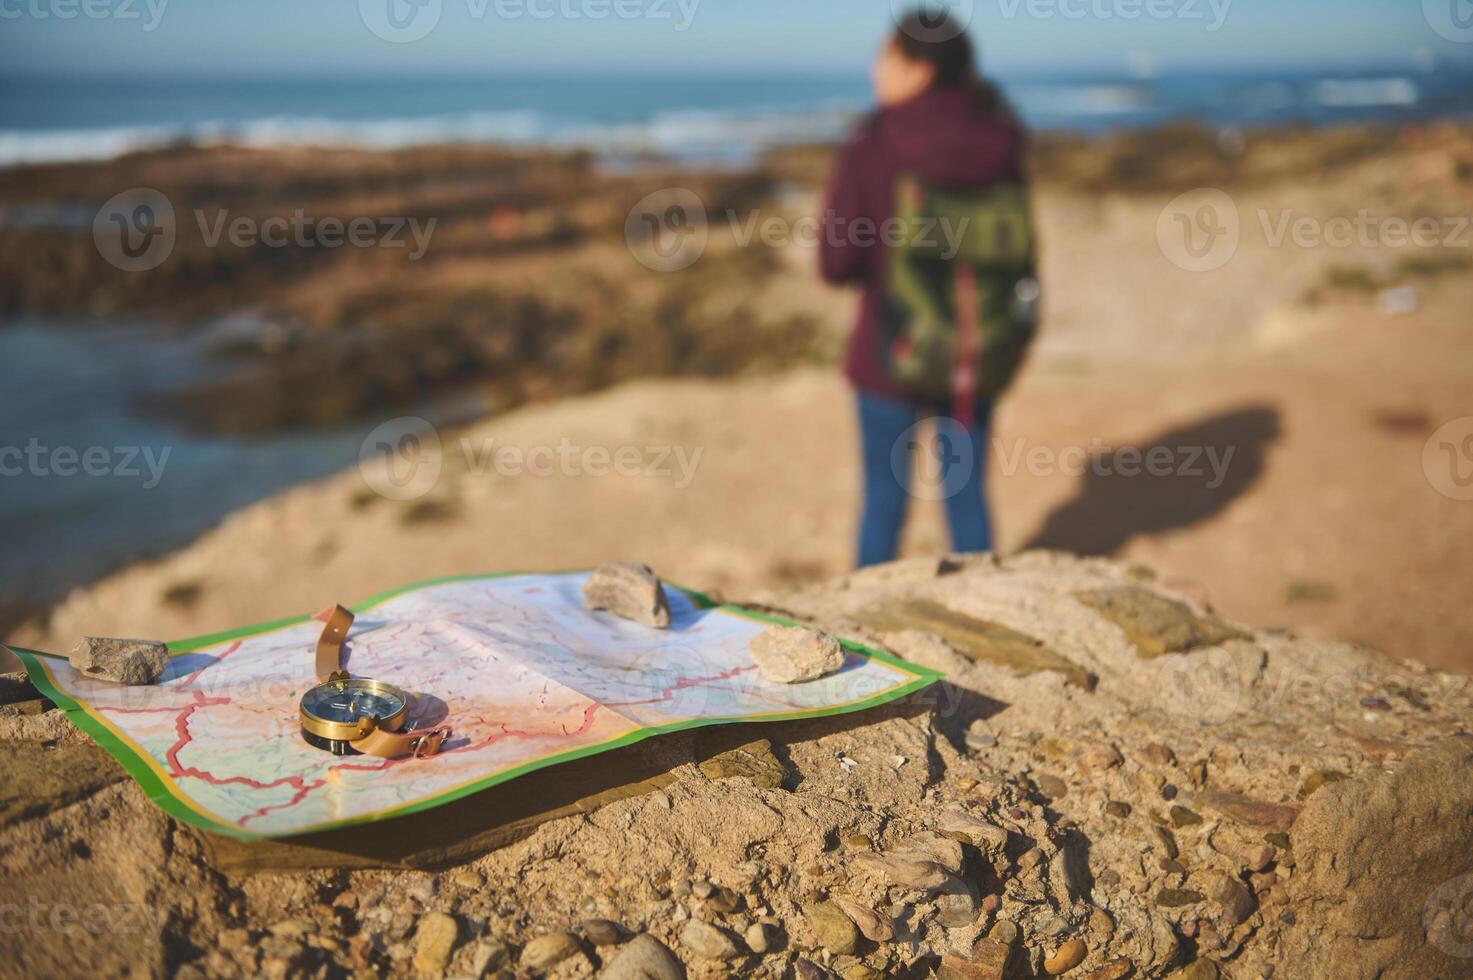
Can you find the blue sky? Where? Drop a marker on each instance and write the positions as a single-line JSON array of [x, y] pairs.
[[316, 37]]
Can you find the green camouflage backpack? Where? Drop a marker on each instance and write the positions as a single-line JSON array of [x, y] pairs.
[[962, 302]]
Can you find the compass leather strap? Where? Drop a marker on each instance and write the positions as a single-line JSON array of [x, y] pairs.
[[421, 743], [330, 643]]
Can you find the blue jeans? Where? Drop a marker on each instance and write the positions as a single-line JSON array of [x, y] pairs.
[[952, 468]]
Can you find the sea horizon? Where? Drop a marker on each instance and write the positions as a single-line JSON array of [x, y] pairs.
[[719, 115]]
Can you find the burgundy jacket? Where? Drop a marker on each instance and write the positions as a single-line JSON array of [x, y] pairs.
[[947, 140]]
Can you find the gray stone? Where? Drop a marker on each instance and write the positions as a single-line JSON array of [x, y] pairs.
[[709, 942], [793, 654], [132, 662], [630, 590], [644, 958]]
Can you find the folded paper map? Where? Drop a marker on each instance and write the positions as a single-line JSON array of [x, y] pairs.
[[517, 668]]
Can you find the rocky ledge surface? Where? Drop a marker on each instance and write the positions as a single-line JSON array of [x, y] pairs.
[[1112, 783]]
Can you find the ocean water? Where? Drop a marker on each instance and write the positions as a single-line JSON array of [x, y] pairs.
[[682, 116], [88, 484]]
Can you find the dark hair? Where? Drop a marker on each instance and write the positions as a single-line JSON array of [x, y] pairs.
[[932, 35]]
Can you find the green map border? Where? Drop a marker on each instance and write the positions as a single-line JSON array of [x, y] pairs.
[[168, 797]]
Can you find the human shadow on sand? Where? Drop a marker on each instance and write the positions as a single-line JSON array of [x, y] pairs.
[[1197, 471]]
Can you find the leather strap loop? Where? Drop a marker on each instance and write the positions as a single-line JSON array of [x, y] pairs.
[[421, 743], [337, 621]]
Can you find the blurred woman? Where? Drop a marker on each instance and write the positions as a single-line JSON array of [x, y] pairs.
[[941, 125]]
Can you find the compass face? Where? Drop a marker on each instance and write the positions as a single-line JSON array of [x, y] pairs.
[[348, 702]]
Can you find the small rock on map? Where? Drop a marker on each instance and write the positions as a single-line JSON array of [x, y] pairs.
[[630, 590], [132, 662], [793, 654]]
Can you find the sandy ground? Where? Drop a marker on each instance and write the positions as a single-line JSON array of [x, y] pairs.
[[1290, 414]]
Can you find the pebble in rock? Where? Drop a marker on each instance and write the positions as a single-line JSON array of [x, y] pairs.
[[630, 590], [1004, 932], [1101, 756], [793, 654], [934, 848], [987, 960], [957, 905], [644, 958], [1118, 809], [709, 942], [723, 899], [1172, 898], [1199, 970], [434, 940], [133, 662], [603, 932], [548, 950], [1165, 841], [808, 970], [1159, 755], [762, 937], [982, 833], [898, 871], [488, 958], [834, 930], [1182, 817], [1261, 857], [1051, 786], [1065, 958], [1235, 898], [871, 924], [1113, 970]]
